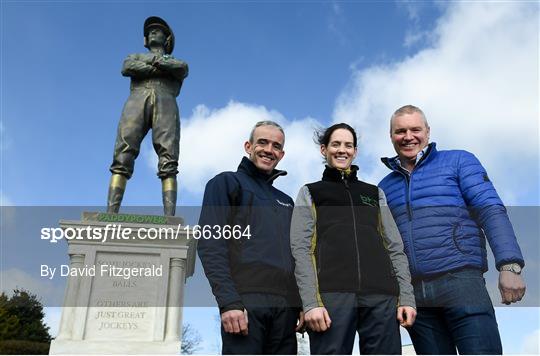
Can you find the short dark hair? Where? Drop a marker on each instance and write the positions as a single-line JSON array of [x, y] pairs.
[[322, 136]]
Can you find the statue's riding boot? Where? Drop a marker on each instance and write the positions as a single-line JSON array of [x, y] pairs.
[[117, 186], [169, 188]]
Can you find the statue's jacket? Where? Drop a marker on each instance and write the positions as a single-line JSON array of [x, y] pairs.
[[145, 76], [445, 209], [151, 105], [344, 239], [261, 262]]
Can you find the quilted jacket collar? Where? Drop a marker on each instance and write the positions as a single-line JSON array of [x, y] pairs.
[[390, 162]]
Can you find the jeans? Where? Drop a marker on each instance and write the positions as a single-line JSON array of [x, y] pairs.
[[454, 310], [372, 316]]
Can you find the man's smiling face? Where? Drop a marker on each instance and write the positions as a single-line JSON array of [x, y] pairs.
[[266, 150], [409, 135]]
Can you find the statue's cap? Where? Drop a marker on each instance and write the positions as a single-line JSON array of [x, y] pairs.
[[154, 21]]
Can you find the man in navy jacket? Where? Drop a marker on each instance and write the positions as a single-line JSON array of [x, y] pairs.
[[445, 207], [248, 258]]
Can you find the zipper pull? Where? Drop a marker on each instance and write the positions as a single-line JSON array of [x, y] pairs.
[[344, 180]]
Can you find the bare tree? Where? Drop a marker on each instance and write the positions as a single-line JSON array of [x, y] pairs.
[[191, 340]]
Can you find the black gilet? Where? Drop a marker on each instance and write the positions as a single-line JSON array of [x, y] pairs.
[[350, 253]]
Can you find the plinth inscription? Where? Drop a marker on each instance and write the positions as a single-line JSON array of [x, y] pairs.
[[124, 296]]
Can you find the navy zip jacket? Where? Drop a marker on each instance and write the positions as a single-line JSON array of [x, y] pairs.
[[444, 210], [261, 262]]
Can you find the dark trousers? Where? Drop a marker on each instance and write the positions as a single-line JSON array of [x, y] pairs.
[[271, 328], [148, 109], [455, 311], [372, 316]]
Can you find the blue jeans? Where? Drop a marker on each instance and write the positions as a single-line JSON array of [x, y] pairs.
[[454, 310]]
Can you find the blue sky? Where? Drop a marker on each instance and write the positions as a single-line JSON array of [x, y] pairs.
[[472, 67]]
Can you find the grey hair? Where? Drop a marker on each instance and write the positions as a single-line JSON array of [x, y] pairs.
[[408, 110], [265, 123]]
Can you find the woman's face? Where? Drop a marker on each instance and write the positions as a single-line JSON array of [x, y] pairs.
[[340, 151]]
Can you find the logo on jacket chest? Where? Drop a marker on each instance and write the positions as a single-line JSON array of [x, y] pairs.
[[288, 205], [368, 200]]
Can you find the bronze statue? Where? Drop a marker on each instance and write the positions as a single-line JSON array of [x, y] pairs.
[[156, 79]]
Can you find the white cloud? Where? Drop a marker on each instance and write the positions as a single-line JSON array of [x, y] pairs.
[[4, 200], [52, 319], [412, 8], [337, 22], [15, 278], [531, 343], [413, 37], [303, 159], [212, 141], [477, 83], [5, 142]]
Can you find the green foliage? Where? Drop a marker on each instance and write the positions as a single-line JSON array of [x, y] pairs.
[[21, 318], [9, 325], [22, 347]]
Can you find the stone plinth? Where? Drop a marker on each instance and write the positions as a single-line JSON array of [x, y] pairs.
[[125, 290]]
